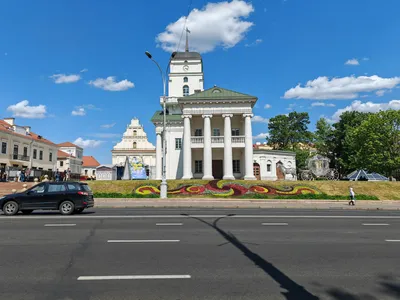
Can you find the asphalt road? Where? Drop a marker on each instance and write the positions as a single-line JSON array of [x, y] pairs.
[[201, 254]]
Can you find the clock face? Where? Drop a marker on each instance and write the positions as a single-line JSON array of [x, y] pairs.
[[186, 68]]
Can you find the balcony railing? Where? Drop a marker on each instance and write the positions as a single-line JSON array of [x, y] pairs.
[[237, 139], [217, 139], [19, 157], [197, 140]]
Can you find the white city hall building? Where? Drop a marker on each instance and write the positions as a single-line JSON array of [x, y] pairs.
[[209, 132]]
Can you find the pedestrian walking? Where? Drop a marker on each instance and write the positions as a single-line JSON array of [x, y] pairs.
[[352, 197], [57, 176]]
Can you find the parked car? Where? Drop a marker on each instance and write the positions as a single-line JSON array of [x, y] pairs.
[[67, 197]]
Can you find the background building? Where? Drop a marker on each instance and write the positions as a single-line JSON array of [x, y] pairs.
[[89, 166], [69, 156], [21, 148], [136, 147]]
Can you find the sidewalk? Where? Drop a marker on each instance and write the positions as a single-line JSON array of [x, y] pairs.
[[240, 203]]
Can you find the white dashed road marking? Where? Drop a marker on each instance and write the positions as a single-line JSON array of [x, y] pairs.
[[169, 224], [393, 241], [143, 241], [274, 224], [59, 225], [133, 277], [375, 224]]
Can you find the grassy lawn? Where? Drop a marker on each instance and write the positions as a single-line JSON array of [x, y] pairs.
[[329, 189]]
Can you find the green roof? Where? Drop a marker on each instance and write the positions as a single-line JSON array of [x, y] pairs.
[[216, 93], [158, 117]]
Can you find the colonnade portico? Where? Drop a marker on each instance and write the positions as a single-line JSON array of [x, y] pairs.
[[209, 142]]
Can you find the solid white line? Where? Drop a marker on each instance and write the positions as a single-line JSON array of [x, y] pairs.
[[393, 241], [274, 224], [59, 225], [169, 224], [132, 277], [198, 216], [143, 241], [375, 224]]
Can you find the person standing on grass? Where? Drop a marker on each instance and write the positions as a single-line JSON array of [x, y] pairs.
[[352, 197]]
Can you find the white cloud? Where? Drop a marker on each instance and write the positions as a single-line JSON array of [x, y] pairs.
[[109, 84], [322, 104], [216, 25], [106, 135], [340, 88], [352, 62], [62, 78], [23, 110], [255, 43], [107, 126], [80, 111], [367, 107], [83, 70], [380, 93], [261, 136], [87, 143], [267, 106], [259, 119]]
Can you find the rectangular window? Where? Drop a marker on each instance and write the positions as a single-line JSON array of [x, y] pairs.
[[198, 166], [4, 148], [178, 143], [236, 166], [216, 132], [55, 188], [34, 153], [268, 168], [15, 152], [235, 132], [25, 151], [61, 164], [40, 155], [86, 172], [198, 132], [50, 156]]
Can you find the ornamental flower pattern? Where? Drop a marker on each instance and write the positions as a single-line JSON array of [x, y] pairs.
[[222, 188]]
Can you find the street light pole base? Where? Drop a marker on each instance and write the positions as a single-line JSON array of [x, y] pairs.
[[163, 190]]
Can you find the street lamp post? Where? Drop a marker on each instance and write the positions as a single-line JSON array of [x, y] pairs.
[[164, 185]]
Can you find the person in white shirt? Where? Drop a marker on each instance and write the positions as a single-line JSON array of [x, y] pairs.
[[352, 197]]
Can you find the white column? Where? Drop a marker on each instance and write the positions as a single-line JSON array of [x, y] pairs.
[[263, 167], [207, 151], [248, 148], [158, 154], [187, 149], [228, 168]]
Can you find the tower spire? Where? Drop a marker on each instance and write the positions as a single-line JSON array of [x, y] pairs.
[[187, 40]]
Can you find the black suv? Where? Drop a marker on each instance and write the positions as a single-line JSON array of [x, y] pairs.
[[67, 197]]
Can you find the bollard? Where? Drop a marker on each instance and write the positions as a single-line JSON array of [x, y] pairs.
[[36, 180], [24, 187]]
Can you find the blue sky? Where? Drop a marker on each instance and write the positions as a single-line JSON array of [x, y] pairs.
[[71, 68]]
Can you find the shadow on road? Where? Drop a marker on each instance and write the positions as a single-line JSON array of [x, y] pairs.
[[293, 291]]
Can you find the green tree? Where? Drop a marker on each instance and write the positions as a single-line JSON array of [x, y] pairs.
[[323, 137], [341, 149], [286, 132], [375, 144]]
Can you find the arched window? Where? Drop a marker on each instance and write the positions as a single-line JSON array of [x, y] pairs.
[[134, 145], [134, 133], [185, 79], [185, 90]]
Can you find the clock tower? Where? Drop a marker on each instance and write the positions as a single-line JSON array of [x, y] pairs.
[[186, 73]]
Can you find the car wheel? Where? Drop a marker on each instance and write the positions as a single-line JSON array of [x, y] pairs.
[[78, 210], [67, 208], [27, 211], [10, 208]]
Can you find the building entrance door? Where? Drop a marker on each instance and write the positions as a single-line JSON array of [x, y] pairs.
[[256, 171], [218, 169]]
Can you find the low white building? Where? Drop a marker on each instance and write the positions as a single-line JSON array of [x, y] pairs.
[[70, 157], [106, 172], [136, 147], [268, 164], [89, 166], [209, 132], [21, 148]]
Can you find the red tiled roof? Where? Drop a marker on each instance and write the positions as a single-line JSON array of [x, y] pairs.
[[63, 154], [5, 127], [90, 161], [68, 144]]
